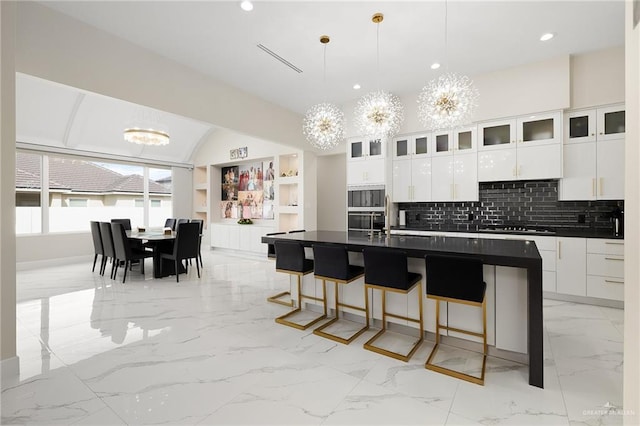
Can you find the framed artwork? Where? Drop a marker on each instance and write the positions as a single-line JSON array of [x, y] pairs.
[[233, 154], [230, 177]]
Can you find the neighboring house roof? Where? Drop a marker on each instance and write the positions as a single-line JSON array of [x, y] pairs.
[[80, 176]]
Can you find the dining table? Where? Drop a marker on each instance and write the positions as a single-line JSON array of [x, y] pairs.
[[160, 241]]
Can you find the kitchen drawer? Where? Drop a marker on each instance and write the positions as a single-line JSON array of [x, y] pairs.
[[605, 265], [544, 243], [605, 288], [604, 246]]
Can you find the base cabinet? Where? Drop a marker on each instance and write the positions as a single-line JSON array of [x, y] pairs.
[[511, 309], [571, 266], [239, 237]]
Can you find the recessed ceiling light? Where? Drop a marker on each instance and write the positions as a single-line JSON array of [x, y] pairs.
[[356, 86], [246, 5], [546, 37], [435, 66]]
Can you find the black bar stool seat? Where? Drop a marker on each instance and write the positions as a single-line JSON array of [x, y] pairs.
[[290, 259], [332, 264], [456, 279], [386, 270]]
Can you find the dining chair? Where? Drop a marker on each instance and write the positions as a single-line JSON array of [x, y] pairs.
[[179, 221], [200, 222], [185, 247], [109, 249], [124, 251], [125, 222], [97, 244], [170, 223]]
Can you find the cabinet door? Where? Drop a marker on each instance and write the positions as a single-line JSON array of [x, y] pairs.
[[421, 146], [540, 129], [610, 123], [571, 266], [375, 149], [579, 174], [402, 148], [610, 168], [442, 178], [402, 190], [421, 179], [442, 143], [539, 161], [357, 150], [496, 134], [465, 177], [374, 171], [511, 309], [580, 126], [496, 165], [465, 140], [356, 172]]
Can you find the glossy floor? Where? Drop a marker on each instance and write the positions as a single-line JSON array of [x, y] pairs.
[[207, 351]]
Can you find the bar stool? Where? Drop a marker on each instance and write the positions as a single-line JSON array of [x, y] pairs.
[[276, 298], [332, 263], [290, 259], [456, 279], [386, 270]]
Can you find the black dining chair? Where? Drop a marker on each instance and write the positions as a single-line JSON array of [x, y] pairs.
[[200, 223], [170, 223], [109, 249], [185, 247], [180, 221], [125, 222], [97, 245], [124, 252]]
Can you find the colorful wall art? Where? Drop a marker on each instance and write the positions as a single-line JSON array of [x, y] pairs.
[[248, 191]]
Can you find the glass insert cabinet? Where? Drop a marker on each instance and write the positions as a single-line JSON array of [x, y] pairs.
[[599, 124]]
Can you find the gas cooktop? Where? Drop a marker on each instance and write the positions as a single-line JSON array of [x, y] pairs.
[[517, 228]]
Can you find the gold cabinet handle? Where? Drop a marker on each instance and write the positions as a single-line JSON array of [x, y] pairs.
[[614, 258], [614, 243], [614, 281], [601, 185], [559, 249], [593, 187]]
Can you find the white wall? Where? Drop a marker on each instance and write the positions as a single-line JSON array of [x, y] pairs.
[[49, 249], [182, 192], [631, 367], [7, 188], [597, 78], [332, 192]]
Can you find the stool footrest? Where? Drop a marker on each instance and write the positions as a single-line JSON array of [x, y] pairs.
[[286, 320], [276, 298], [417, 321], [458, 330], [453, 373], [402, 357], [320, 331]]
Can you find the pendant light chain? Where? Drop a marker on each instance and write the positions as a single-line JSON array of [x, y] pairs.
[[446, 37], [378, 56]]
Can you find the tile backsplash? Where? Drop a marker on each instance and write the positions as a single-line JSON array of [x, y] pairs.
[[525, 203]]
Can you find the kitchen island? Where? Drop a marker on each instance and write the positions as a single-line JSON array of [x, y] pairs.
[[509, 253]]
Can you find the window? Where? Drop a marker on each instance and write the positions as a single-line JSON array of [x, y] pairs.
[[96, 190], [28, 193], [78, 202]]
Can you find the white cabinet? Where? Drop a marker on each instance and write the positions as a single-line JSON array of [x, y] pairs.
[[454, 178], [571, 266], [411, 174], [593, 155], [511, 309], [522, 148], [412, 180], [239, 237], [605, 269], [365, 165]]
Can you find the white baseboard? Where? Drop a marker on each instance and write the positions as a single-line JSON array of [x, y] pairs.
[[10, 367], [37, 264]]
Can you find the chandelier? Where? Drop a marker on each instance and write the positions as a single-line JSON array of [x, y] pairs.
[[449, 100], [323, 124], [146, 136], [379, 114]]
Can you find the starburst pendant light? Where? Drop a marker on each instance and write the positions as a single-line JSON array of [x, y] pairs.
[[323, 124], [449, 100], [379, 114]]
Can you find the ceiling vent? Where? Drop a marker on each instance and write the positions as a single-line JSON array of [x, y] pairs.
[[278, 57]]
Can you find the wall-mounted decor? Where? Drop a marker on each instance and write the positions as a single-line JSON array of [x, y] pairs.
[[230, 177], [248, 191], [233, 154], [243, 152]]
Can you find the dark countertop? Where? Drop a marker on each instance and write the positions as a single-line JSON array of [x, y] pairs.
[[517, 253], [554, 232]]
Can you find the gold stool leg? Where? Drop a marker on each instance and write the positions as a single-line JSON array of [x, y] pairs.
[[285, 319], [320, 331]]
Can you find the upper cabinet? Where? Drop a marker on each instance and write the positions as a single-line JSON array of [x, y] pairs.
[[366, 165], [527, 147], [413, 146], [600, 124], [594, 155]]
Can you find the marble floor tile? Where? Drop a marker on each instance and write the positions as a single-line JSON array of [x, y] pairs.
[[94, 351]]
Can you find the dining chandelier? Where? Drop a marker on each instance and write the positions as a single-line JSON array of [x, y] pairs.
[[323, 124], [145, 128], [146, 136], [379, 114], [449, 100]]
